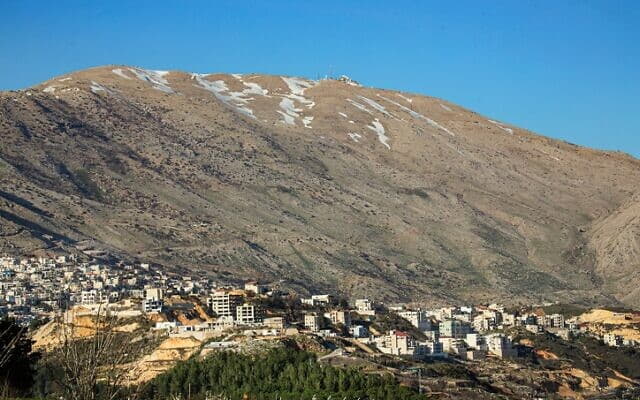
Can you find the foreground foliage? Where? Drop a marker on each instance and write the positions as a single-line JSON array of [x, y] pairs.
[[17, 361], [281, 373]]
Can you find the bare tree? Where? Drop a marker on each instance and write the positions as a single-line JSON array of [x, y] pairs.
[[16, 359], [9, 340], [95, 364]]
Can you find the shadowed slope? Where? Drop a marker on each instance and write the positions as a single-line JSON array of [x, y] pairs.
[[325, 184]]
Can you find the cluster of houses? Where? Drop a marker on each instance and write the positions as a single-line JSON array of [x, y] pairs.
[[463, 332], [230, 308], [32, 288], [37, 287], [467, 332]]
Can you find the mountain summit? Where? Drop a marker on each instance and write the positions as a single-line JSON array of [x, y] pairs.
[[321, 184]]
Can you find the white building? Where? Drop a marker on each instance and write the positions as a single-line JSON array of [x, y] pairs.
[[419, 319], [534, 328], [358, 331], [154, 294], [611, 339], [429, 348], [396, 343], [94, 297], [454, 346], [454, 328], [500, 346], [340, 317], [166, 325], [152, 306], [326, 299], [364, 307], [247, 314], [313, 322], [274, 323], [255, 288], [475, 341], [224, 303]]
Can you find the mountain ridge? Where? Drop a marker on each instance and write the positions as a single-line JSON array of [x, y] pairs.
[[325, 184]]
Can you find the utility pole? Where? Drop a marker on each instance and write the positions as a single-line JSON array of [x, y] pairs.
[[419, 373]]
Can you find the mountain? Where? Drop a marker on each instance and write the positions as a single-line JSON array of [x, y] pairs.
[[325, 185]]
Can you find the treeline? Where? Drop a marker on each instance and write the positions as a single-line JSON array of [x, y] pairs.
[[284, 373]]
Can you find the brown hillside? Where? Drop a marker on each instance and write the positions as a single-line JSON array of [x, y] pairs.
[[325, 184]]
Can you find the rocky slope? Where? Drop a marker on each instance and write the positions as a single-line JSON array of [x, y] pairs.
[[323, 184], [615, 240]]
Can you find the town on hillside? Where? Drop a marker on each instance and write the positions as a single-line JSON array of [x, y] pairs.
[[33, 290]]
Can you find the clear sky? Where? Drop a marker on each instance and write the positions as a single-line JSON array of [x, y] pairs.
[[563, 68]]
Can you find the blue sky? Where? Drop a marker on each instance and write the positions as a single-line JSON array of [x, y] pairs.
[[566, 69]]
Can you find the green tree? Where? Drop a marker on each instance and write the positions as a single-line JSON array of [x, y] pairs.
[[286, 373]]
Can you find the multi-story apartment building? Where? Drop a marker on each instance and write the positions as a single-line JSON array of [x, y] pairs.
[[419, 319], [358, 331], [313, 322], [340, 317], [611, 339], [430, 348], [454, 329], [224, 303], [152, 305], [154, 294], [482, 323], [500, 345], [396, 343], [326, 299], [476, 341], [255, 288], [247, 314], [363, 306], [453, 345], [274, 322], [93, 297]]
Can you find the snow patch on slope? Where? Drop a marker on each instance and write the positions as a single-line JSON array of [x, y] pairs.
[[444, 107], [155, 78], [375, 105], [359, 106], [252, 87], [289, 111], [236, 100], [49, 89], [120, 73], [354, 136], [306, 121], [377, 127], [550, 156], [297, 86], [417, 115], [508, 130], [96, 87], [405, 98]]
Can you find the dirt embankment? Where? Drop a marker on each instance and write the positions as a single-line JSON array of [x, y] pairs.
[[163, 358]]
